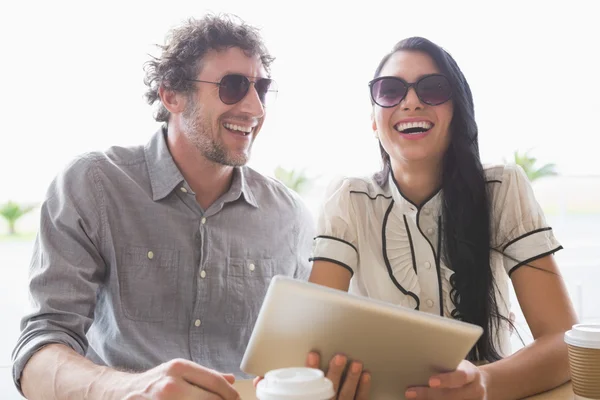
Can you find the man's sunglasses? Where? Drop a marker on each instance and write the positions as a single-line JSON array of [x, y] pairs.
[[389, 91], [234, 87]]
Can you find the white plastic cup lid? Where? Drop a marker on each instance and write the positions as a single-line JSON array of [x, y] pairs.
[[295, 384], [584, 335]]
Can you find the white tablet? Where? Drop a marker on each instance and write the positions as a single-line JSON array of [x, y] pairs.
[[399, 346]]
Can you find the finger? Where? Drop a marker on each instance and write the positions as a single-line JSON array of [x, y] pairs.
[[471, 391], [418, 393], [350, 384], [364, 387], [335, 370], [463, 375], [426, 393], [229, 378], [209, 380], [202, 394], [178, 388], [256, 380], [313, 360]]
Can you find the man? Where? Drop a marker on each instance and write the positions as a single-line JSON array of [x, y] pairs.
[[151, 262]]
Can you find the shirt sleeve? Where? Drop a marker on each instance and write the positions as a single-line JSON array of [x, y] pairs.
[[66, 267], [336, 239], [521, 233]]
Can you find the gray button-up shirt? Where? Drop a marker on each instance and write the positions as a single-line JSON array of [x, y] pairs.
[[129, 271]]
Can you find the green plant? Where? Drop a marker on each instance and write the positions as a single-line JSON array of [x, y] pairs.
[[297, 180], [528, 163], [12, 211]]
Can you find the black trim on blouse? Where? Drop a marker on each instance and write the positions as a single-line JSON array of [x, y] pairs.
[[525, 235], [519, 265], [387, 260], [337, 239], [341, 264], [369, 196], [412, 249]]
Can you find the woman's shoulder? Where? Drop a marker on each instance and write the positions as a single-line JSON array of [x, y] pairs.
[[365, 185], [503, 174]]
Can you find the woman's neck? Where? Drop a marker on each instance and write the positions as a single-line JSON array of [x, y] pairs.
[[418, 181]]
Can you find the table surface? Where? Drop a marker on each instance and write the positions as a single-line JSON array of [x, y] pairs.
[[564, 392]]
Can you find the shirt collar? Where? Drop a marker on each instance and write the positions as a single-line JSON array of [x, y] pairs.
[[165, 176], [239, 187], [163, 172], [433, 204]]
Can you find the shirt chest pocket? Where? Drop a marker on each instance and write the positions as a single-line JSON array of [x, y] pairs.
[[148, 283], [247, 282]]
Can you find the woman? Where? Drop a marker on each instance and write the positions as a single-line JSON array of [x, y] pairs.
[[438, 232]]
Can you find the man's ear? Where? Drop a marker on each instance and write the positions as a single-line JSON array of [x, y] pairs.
[[173, 101]]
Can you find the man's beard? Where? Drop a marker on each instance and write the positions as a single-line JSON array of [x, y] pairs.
[[199, 132]]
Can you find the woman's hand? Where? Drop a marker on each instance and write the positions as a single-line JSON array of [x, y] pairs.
[[354, 385], [466, 382]]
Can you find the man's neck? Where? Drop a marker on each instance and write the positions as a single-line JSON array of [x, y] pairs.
[[209, 180], [418, 181]]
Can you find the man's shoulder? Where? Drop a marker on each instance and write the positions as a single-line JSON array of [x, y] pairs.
[[89, 167], [114, 155]]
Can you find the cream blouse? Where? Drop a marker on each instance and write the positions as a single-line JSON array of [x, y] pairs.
[[391, 246]]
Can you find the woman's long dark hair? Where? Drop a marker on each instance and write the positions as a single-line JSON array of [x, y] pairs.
[[465, 209]]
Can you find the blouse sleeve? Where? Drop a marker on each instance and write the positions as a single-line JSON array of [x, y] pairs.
[[520, 233], [336, 239]]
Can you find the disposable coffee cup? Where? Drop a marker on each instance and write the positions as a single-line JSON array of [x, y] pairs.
[[295, 384], [583, 342]]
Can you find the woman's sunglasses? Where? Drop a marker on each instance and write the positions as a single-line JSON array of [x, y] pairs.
[[234, 87], [389, 91]]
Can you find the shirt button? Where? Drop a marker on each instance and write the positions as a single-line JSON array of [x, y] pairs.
[[150, 255], [429, 304], [203, 220], [251, 267], [203, 274], [430, 231], [184, 190], [197, 322], [427, 264]]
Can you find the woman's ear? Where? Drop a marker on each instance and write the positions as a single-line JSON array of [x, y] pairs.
[[374, 126]]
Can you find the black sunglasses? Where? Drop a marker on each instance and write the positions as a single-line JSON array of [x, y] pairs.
[[389, 91], [234, 87]]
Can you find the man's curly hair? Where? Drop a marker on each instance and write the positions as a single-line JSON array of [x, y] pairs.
[[185, 47]]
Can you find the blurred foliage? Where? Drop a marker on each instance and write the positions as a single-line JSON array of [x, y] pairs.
[[12, 212]]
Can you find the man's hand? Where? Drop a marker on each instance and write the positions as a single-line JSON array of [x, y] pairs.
[[183, 380], [355, 385]]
